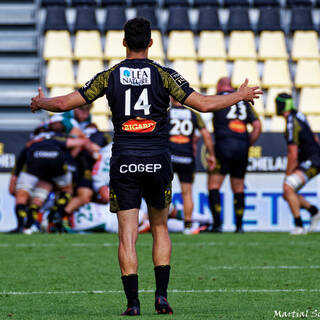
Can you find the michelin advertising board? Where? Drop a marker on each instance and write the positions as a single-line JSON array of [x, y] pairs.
[[265, 208]]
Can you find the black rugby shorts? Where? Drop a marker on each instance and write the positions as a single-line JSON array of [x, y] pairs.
[[132, 178]]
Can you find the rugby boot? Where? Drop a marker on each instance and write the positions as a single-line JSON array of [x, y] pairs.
[[162, 306]]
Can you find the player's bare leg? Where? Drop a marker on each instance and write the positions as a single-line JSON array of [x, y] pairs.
[[40, 195], [161, 253], [128, 234], [237, 186], [294, 202], [186, 190], [215, 181]]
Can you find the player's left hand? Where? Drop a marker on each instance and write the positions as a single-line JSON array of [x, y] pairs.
[[249, 93], [35, 106], [211, 162]]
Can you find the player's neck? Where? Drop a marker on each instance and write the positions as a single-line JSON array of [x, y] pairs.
[[137, 54]]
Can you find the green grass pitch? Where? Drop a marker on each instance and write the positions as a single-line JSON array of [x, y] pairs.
[[219, 276]]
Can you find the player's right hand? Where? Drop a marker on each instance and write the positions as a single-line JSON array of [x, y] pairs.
[[35, 101], [249, 93]]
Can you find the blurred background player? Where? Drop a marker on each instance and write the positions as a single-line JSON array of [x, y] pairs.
[[232, 142], [303, 161], [183, 123]]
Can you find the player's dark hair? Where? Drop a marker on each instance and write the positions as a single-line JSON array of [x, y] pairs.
[[137, 33]]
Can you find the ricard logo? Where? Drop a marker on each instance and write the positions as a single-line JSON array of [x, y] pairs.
[[135, 77]]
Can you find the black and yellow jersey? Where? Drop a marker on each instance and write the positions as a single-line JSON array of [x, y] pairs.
[[299, 132], [183, 123], [230, 128], [138, 94]]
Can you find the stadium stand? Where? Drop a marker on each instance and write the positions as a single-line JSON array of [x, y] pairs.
[[276, 74], [272, 42], [243, 69], [305, 45], [20, 64], [212, 71], [307, 74], [87, 69], [272, 45], [309, 100]]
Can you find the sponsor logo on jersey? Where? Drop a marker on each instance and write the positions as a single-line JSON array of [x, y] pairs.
[[135, 77], [179, 79], [237, 126], [139, 125], [179, 139]]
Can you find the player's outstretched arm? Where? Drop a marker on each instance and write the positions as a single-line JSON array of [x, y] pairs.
[[205, 103], [56, 104]]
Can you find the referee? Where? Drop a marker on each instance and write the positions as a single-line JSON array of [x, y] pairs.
[[138, 91]]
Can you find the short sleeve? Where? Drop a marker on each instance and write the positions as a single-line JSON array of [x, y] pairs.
[[96, 87], [178, 87]]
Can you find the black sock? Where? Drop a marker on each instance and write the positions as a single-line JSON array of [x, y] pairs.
[[298, 222], [162, 274], [130, 287], [313, 210], [32, 215], [21, 213], [215, 206], [238, 201], [187, 224]]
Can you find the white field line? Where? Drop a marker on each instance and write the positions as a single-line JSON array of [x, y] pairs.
[[261, 267], [176, 244], [21, 293]]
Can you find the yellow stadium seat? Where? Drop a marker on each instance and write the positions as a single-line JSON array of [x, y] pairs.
[[88, 45], [272, 93], [181, 45], [259, 106], [242, 45], [278, 124], [60, 91], [59, 73], [113, 48], [103, 122], [57, 45], [314, 122], [305, 45], [211, 91], [156, 50], [243, 69], [307, 74], [276, 74], [101, 106], [272, 45], [211, 45], [189, 70], [87, 69], [212, 71], [310, 100]]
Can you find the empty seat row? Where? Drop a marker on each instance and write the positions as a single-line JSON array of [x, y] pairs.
[[208, 19], [275, 74], [57, 44], [181, 45]]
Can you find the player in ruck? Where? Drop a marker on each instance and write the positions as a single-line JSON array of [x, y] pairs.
[[303, 164], [138, 91]]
